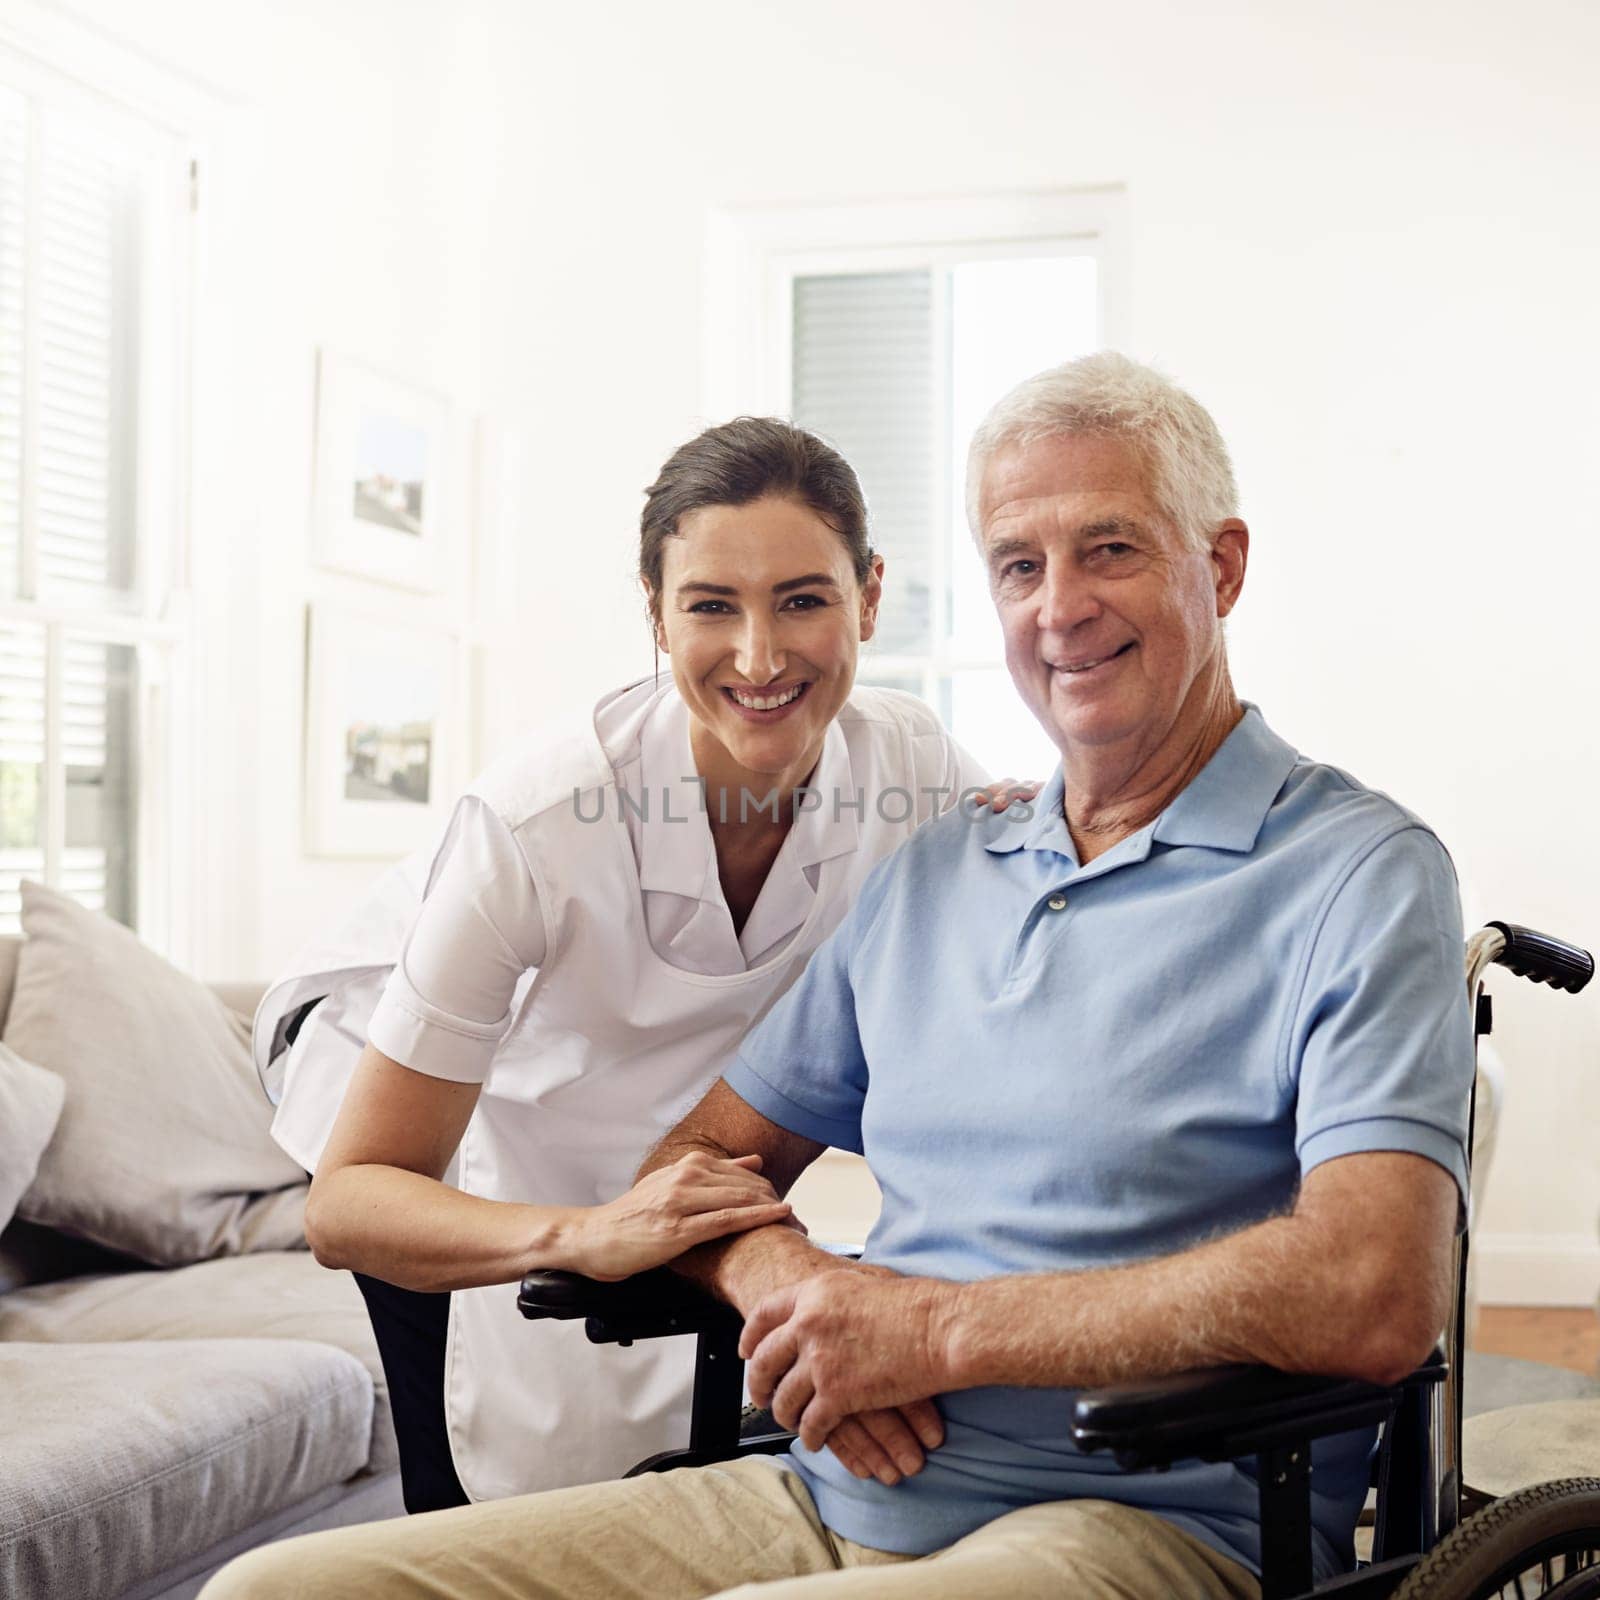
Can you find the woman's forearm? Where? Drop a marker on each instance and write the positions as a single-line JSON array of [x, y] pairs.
[[418, 1233]]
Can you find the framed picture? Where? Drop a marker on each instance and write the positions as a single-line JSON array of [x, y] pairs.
[[382, 729], [381, 475]]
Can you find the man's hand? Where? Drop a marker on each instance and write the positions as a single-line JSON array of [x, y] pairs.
[[835, 1354], [745, 1268], [887, 1442]]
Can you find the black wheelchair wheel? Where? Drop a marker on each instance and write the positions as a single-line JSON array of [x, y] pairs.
[[1543, 1541]]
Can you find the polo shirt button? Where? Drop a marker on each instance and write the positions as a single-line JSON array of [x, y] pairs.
[[1057, 902]]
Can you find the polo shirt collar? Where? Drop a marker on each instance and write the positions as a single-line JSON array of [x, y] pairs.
[[1222, 807], [1226, 802]]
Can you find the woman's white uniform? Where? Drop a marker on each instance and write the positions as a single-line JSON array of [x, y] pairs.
[[574, 903]]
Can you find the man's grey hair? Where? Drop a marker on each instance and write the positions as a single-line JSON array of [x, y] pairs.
[[1190, 475]]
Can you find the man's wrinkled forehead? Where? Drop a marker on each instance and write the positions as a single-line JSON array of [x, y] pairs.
[[1066, 478], [1018, 535]]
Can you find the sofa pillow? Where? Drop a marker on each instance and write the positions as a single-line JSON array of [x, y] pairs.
[[163, 1149], [30, 1107]]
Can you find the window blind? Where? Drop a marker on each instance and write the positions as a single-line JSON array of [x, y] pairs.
[[13, 134], [85, 344], [862, 378], [69, 205]]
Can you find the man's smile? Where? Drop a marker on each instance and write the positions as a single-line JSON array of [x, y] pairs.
[[1083, 665]]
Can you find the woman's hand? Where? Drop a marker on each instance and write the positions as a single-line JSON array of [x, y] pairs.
[[699, 1197], [1004, 791]]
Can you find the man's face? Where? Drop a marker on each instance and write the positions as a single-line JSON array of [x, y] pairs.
[[1109, 617]]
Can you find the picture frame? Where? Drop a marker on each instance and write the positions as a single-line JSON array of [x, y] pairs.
[[381, 483], [383, 732]]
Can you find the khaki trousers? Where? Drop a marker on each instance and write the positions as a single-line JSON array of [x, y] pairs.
[[747, 1528]]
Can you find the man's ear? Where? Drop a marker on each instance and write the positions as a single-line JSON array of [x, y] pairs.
[[871, 595], [1230, 555]]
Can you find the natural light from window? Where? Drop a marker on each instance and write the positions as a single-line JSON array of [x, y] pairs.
[[897, 368], [1008, 320]]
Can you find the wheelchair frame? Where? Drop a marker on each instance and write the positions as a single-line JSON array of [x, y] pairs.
[[1223, 1414]]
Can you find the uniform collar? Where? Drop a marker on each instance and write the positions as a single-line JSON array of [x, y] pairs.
[[676, 856], [825, 829], [1221, 808]]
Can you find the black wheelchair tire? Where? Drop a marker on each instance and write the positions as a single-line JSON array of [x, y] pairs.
[[1510, 1536]]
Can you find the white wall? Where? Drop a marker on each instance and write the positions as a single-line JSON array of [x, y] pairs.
[[1364, 234]]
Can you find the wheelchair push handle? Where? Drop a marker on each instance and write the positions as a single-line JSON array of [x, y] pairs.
[[1542, 958]]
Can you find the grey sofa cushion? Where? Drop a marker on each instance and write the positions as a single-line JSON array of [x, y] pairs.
[[30, 1107], [271, 1295], [122, 1459], [163, 1149]]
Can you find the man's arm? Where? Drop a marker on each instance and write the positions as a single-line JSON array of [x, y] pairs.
[[745, 1270], [1354, 1281]]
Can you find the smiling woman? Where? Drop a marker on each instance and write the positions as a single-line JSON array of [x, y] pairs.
[[612, 906]]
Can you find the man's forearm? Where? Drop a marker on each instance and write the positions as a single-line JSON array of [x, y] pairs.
[[747, 1267], [743, 1268], [1276, 1293], [780, 1166]]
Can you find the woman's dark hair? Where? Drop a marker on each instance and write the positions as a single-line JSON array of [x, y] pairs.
[[741, 461]]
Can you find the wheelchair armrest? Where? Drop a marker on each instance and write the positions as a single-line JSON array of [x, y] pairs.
[[1228, 1412], [650, 1305]]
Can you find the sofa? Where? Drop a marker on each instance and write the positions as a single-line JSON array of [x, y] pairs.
[[157, 1417]]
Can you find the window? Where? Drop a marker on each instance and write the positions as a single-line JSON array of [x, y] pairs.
[[893, 349], [93, 218]]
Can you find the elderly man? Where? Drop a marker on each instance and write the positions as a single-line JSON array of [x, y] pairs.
[[1170, 1074]]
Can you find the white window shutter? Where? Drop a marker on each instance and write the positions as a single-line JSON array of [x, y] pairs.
[[863, 363], [13, 177], [86, 394], [71, 191]]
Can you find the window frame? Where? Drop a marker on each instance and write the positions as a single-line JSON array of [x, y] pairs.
[[754, 257], [751, 256], [63, 67]]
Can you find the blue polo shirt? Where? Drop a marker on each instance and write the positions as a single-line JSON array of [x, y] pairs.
[[1054, 1067]]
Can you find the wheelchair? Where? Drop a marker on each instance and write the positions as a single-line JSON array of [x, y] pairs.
[[1434, 1538]]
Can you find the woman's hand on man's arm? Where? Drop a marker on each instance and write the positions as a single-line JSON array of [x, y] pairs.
[[888, 1444], [747, 1266], [671, 1209]]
